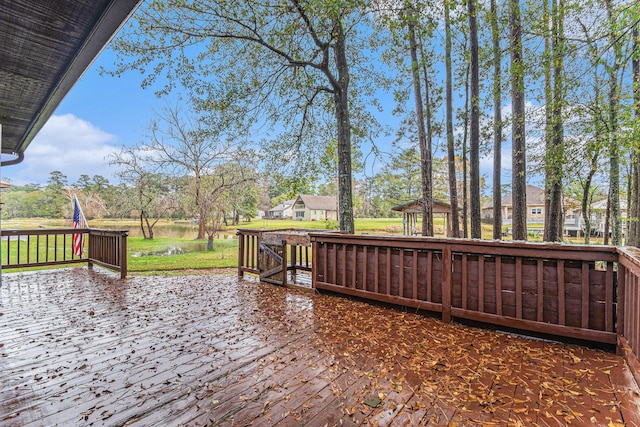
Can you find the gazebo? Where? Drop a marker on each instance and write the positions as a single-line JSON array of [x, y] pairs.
[[412, 209]]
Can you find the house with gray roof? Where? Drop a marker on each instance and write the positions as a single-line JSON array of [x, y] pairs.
[[315, 208], [282, 211]]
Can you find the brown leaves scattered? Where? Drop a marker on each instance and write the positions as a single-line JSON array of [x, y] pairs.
[[467, 373]]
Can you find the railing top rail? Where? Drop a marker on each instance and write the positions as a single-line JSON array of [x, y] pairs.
[[261, 230], [630, 258], [489, 247], [24, 231], [106, 231], [630, 251]]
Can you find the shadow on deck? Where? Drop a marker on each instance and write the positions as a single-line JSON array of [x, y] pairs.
[[81, 347]]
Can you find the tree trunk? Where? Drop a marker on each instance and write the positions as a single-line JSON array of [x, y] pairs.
[[548, 115], [634, 196], [340, 95], [555, 157], [584, 209], [607, 221], [425, 157], [465, 135], [451, 154], [144, 231], [614, 148], [497, 124], [210, 242], [586, 198], [201, 208], [593, 147], [146, 226], [519, 170], [427, 164], [474, 141]]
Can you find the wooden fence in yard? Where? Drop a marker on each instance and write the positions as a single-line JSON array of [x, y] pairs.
[[48, 247]]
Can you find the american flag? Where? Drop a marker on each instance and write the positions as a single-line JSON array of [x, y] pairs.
[[79, 221]]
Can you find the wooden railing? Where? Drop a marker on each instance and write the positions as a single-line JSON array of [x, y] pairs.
[[248, 245], [48, 247], [563, 290], [629, 308], [585, 292], [108, 248]]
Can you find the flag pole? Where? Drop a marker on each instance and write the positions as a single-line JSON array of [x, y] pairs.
[[79, 221]]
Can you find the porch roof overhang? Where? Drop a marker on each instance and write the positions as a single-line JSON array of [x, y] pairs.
[[45, 47], [415, 206]]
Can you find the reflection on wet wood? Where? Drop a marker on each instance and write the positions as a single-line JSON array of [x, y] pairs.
[[86, 348]]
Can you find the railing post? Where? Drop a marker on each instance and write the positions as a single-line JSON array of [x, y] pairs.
[[620, 299], [91, 246], [294, 259], [256, 250], [241, 263], [285, 269], [123, 255], [446, 283], [314, 263]]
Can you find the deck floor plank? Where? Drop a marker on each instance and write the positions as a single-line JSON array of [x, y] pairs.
[[83, 347], [224, 394]]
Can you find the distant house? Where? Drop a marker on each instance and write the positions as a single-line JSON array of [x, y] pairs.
[[315, 208], [598, 216], [535, 206], [573, 222], [282, 211]]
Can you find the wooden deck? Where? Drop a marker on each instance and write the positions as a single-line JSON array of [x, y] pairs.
[[81, 347]]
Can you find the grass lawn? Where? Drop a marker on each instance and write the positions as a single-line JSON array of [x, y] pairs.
[[224, 255]]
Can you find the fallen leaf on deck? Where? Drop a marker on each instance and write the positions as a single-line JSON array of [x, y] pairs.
[[373, 402]]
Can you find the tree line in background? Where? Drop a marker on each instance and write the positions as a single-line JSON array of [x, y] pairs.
[[149, 195]]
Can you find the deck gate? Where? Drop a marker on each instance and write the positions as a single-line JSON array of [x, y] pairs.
[[273, 263]]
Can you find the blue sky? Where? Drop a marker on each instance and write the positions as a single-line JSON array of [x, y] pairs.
[[97, 117]]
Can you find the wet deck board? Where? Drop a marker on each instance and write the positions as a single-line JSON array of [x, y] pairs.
[[82, 347]]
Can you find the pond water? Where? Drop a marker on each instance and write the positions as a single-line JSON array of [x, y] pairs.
[[174, 231], [174, 250]]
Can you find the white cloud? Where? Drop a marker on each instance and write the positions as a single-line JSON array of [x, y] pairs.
[[67, 144]]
